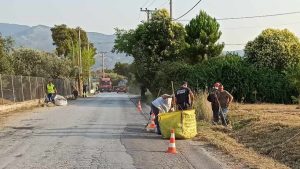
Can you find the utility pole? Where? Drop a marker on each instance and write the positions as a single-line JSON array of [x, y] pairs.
[[171, 9], [102, 54], [103, 75], [79, 64], [89, 80], [73, 53], [80, 59], [148, 12]]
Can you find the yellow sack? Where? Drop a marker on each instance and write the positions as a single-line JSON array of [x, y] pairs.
[[184, 123]]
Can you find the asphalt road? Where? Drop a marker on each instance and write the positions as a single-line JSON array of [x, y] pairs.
[[104, 131]]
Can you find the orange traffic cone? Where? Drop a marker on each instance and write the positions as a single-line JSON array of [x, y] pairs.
[[139, 107], [172, 147], [152, 125]]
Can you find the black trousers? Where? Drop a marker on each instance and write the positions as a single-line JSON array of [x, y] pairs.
[[215, 109], [155, 110], [182, 106]]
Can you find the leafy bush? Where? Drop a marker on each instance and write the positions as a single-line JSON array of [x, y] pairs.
[[30, 62], [240, 78]]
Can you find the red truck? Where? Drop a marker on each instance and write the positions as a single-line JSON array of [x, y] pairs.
[[105, 85]]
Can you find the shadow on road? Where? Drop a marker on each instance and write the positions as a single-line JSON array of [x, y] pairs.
[[100, 131]]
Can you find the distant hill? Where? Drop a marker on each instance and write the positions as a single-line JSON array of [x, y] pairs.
[[39, 37], [105, 43], [10, 29], [36, 37]]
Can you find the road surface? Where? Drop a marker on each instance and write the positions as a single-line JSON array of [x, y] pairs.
[[104, 131]]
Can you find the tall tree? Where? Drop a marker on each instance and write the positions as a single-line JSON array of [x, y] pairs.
[[62, 36], [88, 60], [151, 43], [203, 33], [275, 49], [66, 39], [69, 44]]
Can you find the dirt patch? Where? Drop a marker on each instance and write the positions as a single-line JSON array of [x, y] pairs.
[[5, 117]]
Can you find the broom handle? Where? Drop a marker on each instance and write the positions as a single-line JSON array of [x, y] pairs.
[[158, 92], [172, 86], [175, 108]]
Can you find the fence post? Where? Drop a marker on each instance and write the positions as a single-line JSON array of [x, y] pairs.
[[36, 88], [22, 88], [30, 87], [64, 86], [1, 89], [69, 88], [43, 87], [13, 87]]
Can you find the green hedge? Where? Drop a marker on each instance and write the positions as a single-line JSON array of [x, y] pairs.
[[238, 77]]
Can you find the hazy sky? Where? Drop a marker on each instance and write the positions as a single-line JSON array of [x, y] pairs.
[[104, 15]]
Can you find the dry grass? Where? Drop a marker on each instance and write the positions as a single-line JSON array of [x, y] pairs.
[[272, 130], [219, 138], [5, 101], [261, 136], [203, 107]]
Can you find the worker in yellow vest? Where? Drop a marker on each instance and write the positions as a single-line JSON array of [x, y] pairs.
[[51, 90]]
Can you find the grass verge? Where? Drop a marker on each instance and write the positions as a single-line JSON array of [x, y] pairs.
[[218, 137], [263, 136]]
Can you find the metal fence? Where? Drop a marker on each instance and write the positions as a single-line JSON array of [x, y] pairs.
[[23, 88]]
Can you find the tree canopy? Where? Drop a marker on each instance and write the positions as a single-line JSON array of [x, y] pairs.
[[30, 62], [202, 37], [151, 43], [68, 45], [274, 49], [66, 39], [6, 45]]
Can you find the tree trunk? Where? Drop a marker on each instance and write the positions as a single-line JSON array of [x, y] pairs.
[[143, 92]]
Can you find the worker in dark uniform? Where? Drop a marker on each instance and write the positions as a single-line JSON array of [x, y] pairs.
[[184, 97], [215, 105]]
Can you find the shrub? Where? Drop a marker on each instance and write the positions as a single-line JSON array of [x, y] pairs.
[[244, 81]]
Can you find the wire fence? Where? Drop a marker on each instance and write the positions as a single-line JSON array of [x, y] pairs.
[[24, 88]]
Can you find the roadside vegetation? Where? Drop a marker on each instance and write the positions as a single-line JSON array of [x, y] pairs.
[[166, 51], [63, 63], [259, 135]]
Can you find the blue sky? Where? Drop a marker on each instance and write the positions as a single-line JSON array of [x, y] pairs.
[[104, 15]]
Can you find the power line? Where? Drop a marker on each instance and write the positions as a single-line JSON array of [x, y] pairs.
[[163, 4], [146, 3], [258, 16], [188, 10], [251, 17], [259, 26], [151, 3]]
